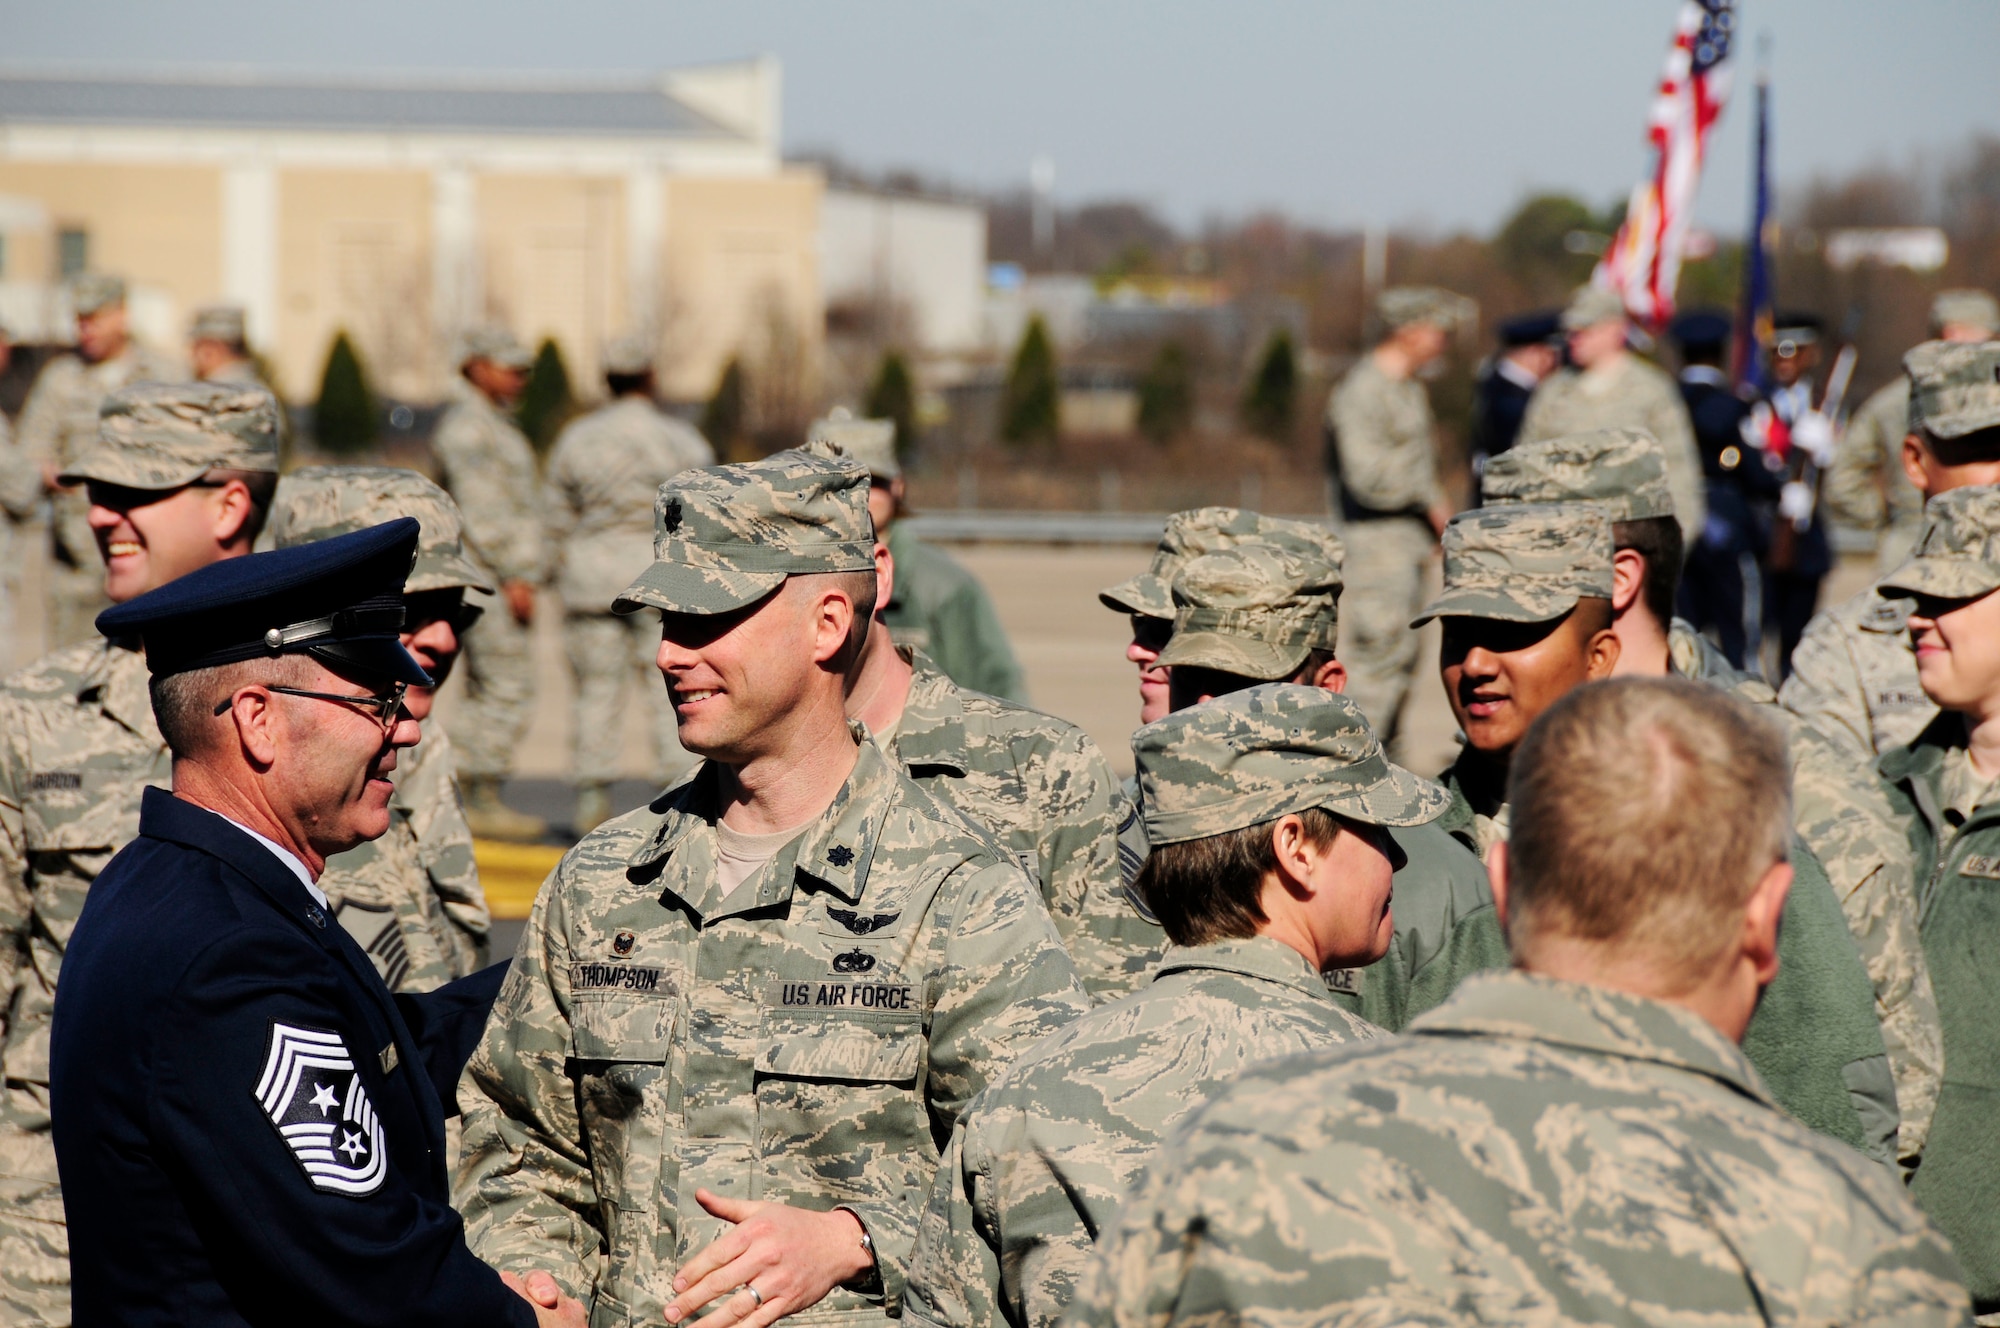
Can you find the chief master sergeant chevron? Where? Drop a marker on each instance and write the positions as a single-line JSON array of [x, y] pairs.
[[247, 1123], [742, 1019]]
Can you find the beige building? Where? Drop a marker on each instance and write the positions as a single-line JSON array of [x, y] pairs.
[[403, 211]]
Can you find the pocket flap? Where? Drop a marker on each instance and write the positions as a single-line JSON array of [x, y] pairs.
[[634, 1029], [842, 1047]]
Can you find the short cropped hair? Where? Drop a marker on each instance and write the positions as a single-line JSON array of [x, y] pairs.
[[1207, 890], [1645, 811], [184, 703], [1657, 539]]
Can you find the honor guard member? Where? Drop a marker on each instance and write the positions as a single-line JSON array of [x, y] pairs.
[[743, 1019], [602, 476], [939, 607], [1265, 610], [181, 477], [1854, 675], [487, 466], [1529, 351], [1382, 455], [410, 899], [1944, 788], [58, 426], [249, 1125], [1270, 810], [1606, 385], [1868, 486], [1528, 616], [1734, 484], [1036, 783], [1797, 441], [1577, 1141]]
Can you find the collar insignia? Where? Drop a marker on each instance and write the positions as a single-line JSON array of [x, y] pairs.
[[840, 855]]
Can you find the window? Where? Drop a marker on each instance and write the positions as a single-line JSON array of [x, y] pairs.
[[72, 251]]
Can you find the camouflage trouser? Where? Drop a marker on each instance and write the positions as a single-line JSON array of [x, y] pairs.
[[499, 694], [75, 598], [34, 1239], [1384, 575], [605, 653]]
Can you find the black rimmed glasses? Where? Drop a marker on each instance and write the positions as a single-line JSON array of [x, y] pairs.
[[384, 708]]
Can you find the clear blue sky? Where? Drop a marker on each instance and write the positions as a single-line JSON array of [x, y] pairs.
[[1435, 112]]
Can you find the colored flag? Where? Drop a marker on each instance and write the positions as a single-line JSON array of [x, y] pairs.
[[1754, 321], [1644, 261]]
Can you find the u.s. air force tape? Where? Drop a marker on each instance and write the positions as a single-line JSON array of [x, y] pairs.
[[310, 1091]]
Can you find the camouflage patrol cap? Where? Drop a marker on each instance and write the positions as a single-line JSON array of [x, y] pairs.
[[1621, 470], [1200, 530], [871, 443], [1590, 305], [628, 355], [1524, 562], [1257, 610], [1958, 554], [726, 536], [1973, 307], [217, 322], [1399, 306], [167, 435], [1954, 387], [495, 343], [92, 291], [1255, 755], [320, 502]]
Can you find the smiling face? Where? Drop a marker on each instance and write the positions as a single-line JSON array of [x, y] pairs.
[[1958, 652], [1500, 676], [334, 762], [1149, 638], [149, 537]]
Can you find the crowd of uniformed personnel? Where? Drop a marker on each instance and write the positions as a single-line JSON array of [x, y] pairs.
[[1668, 999]]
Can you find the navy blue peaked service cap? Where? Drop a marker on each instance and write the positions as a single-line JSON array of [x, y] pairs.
[[1528, 329], [1701, 329], [339, 600]]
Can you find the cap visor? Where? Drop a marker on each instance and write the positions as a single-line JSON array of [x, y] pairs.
[[1495, 604], [375, 658], [1145, 595], [447, 573], [1401, 798], [677, 588], [1944, 578], [1263, 660]]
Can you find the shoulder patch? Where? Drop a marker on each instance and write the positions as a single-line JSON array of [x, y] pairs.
[[313, 1097]]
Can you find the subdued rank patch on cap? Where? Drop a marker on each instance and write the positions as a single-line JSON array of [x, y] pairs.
[[1527, 562], [1399, 306], [1958, 554], [339, 600], [218, 322], [1590, 305], [1256, 610], [724, 537], [1622, 470], [90, 292], [1954, 387], [1198, 530], [872, 443], [629, 355], [314, 1098], [495, 343], [1974, 308], [1254, 755], [320, 502], [166, 435]]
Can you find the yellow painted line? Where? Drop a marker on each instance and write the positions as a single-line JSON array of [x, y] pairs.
[[512, 874]]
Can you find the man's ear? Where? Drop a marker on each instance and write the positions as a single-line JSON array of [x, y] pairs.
[[832, 611], [1292, 852], [1603, 655], [1628, 579], [1330, 677], [229, 511], [1914, 456], [885, 576], [256, 723], [1761, 918]]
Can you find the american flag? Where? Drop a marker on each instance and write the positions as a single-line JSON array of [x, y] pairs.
[[1644, 260]]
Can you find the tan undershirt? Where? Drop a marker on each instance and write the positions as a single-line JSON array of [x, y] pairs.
[[1965, 790], [738, 856]]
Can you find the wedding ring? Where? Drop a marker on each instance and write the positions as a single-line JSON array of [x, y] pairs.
[[754, 1292]]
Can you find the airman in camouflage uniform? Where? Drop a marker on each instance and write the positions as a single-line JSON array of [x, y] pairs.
[[1542, 1151], [411, 899], [602, 476], [1815, 1037], [486, 465], [78, 745], [1382, 454], [1607, 386], [1866, 486], [59, 426], [218, 346], [1039, 1161], [1854, 675], [1266, 610], [679, 1076], [1949, 810]]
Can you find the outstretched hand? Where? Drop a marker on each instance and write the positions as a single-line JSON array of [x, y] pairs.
[[792, 1256]]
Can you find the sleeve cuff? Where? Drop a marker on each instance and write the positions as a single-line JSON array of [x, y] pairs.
[[885, 1286]]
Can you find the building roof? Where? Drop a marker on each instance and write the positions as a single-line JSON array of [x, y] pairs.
[[438, 104]]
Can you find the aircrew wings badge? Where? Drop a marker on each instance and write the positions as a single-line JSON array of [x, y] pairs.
[[316, 1103]]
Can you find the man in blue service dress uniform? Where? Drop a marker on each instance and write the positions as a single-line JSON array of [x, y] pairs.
[[248, 1125]]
